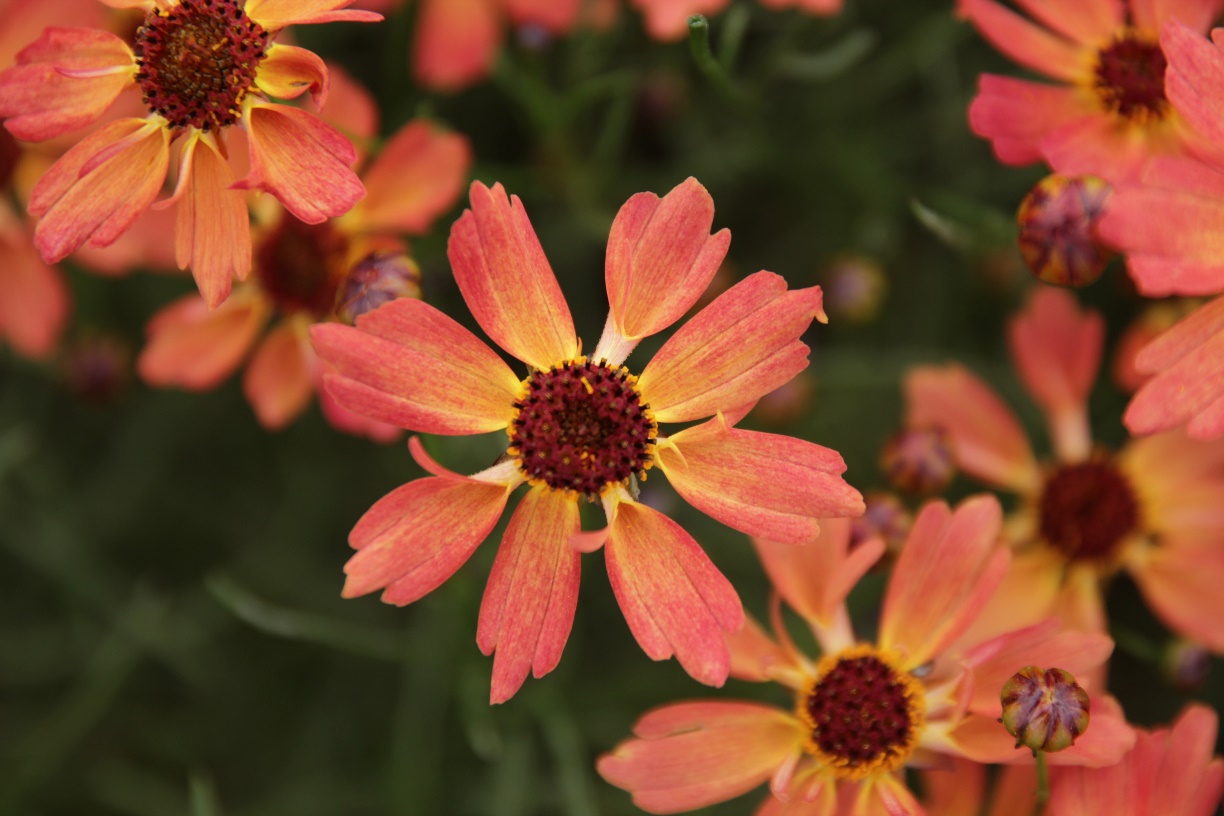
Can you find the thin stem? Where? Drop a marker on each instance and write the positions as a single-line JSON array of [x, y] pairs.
[[699, 44], [1043, 782]]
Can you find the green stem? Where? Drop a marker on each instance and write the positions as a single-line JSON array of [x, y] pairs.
[[699, 44], [1043, 782]]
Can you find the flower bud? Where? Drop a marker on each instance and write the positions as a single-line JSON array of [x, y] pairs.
[[1045, 710], [918, 460], [97, 367], [1186, 665], [1057, 222], [375, 279], [886, 517], [854, 288]]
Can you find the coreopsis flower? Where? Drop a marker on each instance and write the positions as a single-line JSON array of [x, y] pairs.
[[1151, 509], [202, 67], [1110, 112], [307, 273], [584, 426], [916, 695], [668, 19]]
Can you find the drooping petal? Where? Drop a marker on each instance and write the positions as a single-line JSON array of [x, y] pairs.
[[1026, 43], [302, 160], [661, 257], [192, 347], [506, 280], [278, 381], [1056, 347], [289, 71], [33, 298], [689, 755], [40, 98], [455, 42], [766, 485], [949, 566], [1016, 115], [674, 599], [112, 186], [277, 14], [417, 176], [987, 440], [734, 351], [529, 602], [409, 365]]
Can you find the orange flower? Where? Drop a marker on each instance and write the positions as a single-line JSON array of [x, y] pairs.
[[1111, 113], [309, 273], [202, 67], [583, 426], [921, 693], [1153, 508]]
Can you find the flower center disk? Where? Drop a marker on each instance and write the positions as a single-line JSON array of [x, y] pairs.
[[197, 60], [1129, 78], [1087, 509], [582, 426], [300, 265], [863, 713]]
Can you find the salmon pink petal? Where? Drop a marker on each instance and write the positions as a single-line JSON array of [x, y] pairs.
[[1189, 779], [418, 535], [1095, 145], [762, 484], [997, 660], [1087, 22], [288, 72], [1026, 43], [1194, 78], [1151, 14], [24, 22], [40, 99], [674, 599], [815, 577], [1056, 347], [957, 790], [739, 348], [278, 381], [343, 419], [949, 566], [113, 186], [1108, 738], [689, 755], [455, 42], [506, 280], [409, 365], [301, 160], [192, 347], [557, 16], [757, 657], [1190, 360], [350, 109], [1182, 585], [33, 298], [529, 602], [1016, 115], [212, 228], [987, 440], [661, 257], [668, 19], [277, 14], [417, 176], [1184, 258]]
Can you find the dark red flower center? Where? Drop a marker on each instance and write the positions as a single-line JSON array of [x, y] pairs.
[[582, 426], [1087, 509], [10, 153], [1130, 78], [197, 61], [300, 265], [864, 714]]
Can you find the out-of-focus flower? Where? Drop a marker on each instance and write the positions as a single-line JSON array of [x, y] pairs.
[[584, 427], [1110, 114], [855, 287], [668, 19], [886, 517], [307, 273], [1153, 508], [97, 366], [1154, 321], [1044, 709], [788, 402], [202, 67], [918, 460], [920, 694], [1058, 221], [1186, 665]]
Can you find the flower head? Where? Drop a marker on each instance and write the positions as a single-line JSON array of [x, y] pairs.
[[585, 426], [1044, 709]]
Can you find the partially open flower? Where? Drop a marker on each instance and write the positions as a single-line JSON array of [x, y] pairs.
[[1044, 709], [1057, 222]]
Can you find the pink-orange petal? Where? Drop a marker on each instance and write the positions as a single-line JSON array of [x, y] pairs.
[[661, 257], [1188, 360], [556, 16], [997, 660], [342, 419], [351, 109], [689, 755], [766, 485], [739, 348], [1194, 80], [192, 347], [1187, 779], [114, 185], [276, 14], [289, 71], [1182, 585], [674, 599], [39, 101], [278, 381], [987, 439], [455, 42], [302, 160], [506, 280], [1026, 43], [1185, 258], [417, 176], [757, 657], [419, 534], [668, 19], [408, 364], [1108, 738], [34, 300], [1016, 115], [529, 602], [1088, 22]]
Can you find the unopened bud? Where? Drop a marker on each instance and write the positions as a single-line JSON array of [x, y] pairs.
[[1186, 665], [886, 517], [376, 279], [1044, 709], [97, 367], [854, 288], [918, 460], [1057, 221]]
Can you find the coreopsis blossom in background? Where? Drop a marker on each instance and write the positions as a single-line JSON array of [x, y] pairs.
[[1151, 323], [307, 273], [201, 67], [918, 695], [585, 427], [1153, 509], [668, 19], [1110, 113]]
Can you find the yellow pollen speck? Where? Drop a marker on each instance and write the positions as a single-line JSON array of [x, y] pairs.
[[587, 386]]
